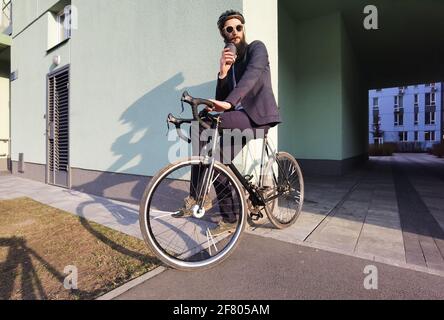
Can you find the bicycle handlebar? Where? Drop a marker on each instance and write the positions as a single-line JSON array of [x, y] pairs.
[[177, 123], [195, 103], [197, 116]]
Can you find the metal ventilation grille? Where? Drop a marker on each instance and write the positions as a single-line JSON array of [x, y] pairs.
[[58, 121], [51, 123], [61, 121]]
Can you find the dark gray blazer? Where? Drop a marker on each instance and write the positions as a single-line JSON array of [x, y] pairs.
[[253, 91]]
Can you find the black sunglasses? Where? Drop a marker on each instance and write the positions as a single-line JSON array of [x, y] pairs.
[[230, 29]]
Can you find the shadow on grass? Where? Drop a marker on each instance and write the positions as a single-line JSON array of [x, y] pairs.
[[19, 265], [112, 244]]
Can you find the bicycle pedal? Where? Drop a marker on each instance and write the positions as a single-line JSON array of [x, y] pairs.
[[256, 217]]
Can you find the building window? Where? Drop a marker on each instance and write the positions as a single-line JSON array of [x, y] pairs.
[[416, 136], [416, 118], [375, 103], [64, 24], [430, 136], [379, 140], [399, 118], [403, 136], [430, 118], [430, 99], [416, 100], [376, 119], [398, 102]]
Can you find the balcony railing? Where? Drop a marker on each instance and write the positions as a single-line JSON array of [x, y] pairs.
[[6, 17]]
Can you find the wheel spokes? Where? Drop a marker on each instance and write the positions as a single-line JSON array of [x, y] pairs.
[[182, 235]]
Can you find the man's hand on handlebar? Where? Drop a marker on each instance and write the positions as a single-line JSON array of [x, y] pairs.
[[220, 106]]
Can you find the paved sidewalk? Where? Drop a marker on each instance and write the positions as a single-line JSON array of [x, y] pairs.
[[364, 213], [368, 213], [356, 214], [116, 215]]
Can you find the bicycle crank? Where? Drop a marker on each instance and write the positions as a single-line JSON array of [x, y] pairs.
[[254, 211]]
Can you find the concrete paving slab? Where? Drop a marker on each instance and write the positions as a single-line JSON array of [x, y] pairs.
[[381, 241]]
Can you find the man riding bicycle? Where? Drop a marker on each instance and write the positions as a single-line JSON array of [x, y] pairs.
[[245, 97]]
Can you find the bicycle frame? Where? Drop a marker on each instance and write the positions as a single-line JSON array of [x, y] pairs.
[[255, 197]]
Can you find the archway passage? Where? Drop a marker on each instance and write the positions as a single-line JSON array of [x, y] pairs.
[[328, 61]]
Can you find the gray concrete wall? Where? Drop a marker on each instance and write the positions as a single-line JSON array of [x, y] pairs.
[[32, 171], [118, 186]]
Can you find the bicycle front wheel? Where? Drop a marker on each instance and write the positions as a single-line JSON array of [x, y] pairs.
[[183, 234], [285, 187]]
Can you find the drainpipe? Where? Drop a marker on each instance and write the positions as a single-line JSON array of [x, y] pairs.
[[9, 159], [442, 112]]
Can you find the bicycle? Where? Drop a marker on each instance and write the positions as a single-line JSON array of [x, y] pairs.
[[187, 242]]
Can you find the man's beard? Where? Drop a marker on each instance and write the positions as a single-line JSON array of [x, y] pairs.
[[241, 47]]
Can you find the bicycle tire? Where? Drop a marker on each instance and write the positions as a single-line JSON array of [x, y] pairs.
[[149, 212], [281, 169]]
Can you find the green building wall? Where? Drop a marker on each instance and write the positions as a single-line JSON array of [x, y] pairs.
[[310, 87], [321, 94], [130, 65], [32, 62]]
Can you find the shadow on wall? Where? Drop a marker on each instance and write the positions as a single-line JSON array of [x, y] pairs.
[[141, 144]]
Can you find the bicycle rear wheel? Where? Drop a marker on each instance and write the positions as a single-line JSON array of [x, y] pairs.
[[285, 183], [189, 242]]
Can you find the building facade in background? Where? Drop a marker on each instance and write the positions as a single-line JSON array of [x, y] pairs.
[[407, 114]]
